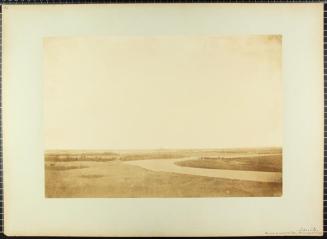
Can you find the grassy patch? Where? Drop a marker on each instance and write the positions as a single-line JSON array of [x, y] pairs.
[[92, 176], [122, 180], [127, 155], [63, 167], [79, 157], [271, 163]]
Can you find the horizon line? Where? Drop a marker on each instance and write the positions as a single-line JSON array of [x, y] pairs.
[[141, 149]]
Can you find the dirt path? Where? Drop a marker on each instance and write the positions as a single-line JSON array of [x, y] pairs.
[[168, 165]]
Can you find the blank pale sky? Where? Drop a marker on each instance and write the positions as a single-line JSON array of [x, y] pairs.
[[162, 92]]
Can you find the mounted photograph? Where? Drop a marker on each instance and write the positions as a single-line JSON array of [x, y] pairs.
[[163, 117]]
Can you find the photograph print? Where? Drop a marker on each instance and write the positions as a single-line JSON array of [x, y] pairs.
[[163, 116]]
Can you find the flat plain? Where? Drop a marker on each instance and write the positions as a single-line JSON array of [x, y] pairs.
[[163, 173]]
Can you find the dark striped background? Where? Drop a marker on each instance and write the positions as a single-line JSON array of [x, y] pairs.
[[1, 168]]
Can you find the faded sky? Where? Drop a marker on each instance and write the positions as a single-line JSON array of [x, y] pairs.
[[162, 92]]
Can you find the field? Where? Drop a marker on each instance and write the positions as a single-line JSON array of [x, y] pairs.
[[267, 163], [163, 173]]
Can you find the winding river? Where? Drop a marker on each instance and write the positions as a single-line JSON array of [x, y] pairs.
[[168, 165]]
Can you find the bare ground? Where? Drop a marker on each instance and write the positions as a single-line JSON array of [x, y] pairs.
[[271, 163], [117, 179]]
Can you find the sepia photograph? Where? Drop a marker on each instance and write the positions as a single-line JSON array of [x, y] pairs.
[[163, 117], [187, 119]]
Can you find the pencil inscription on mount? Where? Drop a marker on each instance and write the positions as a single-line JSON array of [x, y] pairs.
[[163, 116]]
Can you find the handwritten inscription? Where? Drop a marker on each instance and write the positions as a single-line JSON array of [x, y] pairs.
[[300, 231]]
